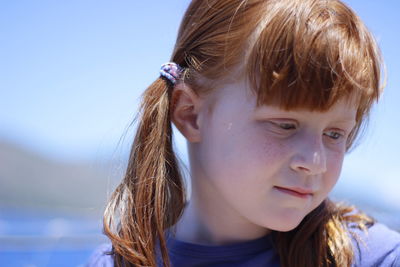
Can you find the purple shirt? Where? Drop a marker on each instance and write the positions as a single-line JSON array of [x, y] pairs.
[[382, 248]]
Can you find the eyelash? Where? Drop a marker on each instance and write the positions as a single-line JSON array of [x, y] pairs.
[[339, 135], [289, 126]]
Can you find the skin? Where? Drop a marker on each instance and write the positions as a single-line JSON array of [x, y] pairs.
[[240, 154]]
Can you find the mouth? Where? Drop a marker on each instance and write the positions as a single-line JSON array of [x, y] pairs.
[[296, 192]]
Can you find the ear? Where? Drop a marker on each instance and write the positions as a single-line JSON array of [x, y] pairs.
[[185, 111]]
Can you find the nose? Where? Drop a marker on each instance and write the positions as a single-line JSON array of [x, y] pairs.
[[309, 156]]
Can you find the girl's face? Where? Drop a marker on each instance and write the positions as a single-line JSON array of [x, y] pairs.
[[251, 161]]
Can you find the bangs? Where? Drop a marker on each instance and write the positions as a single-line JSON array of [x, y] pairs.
[[311, 57]]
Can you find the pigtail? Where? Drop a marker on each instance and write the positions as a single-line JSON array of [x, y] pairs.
[[151, 196]]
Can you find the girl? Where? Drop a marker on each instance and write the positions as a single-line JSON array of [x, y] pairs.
[[270, 95]]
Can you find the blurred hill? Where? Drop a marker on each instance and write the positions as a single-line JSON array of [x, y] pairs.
[[31, 181]]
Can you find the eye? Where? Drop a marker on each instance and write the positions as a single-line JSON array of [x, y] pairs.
[[286, 126], [334, 135], [280, 127]]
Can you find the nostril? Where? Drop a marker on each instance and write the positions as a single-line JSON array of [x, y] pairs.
[[310, 167], [301, 168]]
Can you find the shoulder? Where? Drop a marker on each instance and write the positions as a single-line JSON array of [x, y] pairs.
[[100, 258], [378, 246]]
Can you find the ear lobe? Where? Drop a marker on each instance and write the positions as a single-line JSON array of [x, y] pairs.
[[185, 107]]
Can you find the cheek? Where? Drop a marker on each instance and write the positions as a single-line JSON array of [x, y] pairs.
[[243, 157], [273, 149], [256, 151], [334, 167], [259, 161]]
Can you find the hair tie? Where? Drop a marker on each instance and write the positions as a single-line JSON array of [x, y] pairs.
[[171, 71]]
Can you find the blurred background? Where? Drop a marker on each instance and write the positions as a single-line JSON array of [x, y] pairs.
[[71, 75]]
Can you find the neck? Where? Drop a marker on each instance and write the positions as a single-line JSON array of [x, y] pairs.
[[205, 224]]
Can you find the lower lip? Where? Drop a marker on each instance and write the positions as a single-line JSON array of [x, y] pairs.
[[292, 193]]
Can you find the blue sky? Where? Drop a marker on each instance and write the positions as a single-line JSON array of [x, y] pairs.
[[71, 74]]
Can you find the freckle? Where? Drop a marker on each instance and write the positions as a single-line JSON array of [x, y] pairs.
[[273, 150]]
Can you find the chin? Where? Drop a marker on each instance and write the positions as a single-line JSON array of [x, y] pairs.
[[286, 225], [282, 228]]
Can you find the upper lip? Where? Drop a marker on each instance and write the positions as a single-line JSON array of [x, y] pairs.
[[299, 190]]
